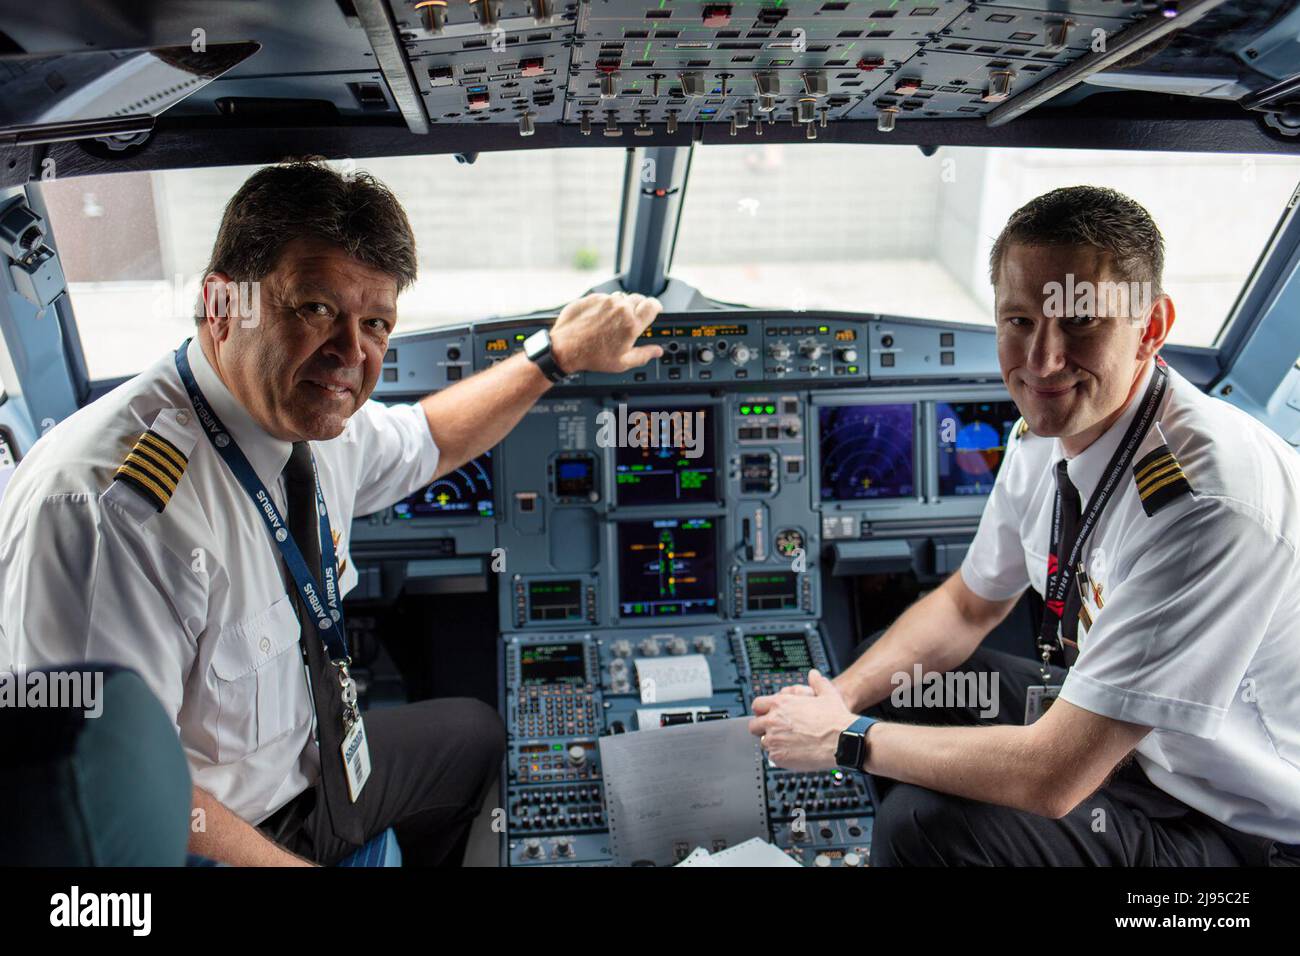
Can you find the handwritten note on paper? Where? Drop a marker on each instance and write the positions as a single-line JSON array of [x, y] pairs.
[[677, 788], [666, 679]]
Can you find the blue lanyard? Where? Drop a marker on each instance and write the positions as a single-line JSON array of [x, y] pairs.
[[328, 611]]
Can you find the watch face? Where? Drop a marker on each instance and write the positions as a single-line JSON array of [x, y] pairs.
[[537, 343], [849, 751]]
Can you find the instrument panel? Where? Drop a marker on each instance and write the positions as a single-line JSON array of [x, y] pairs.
[[698, 506]]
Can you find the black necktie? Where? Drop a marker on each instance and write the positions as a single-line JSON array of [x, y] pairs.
[[300, 492], [1071, 512]]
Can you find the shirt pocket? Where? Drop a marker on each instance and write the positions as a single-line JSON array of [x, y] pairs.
[[255, 664]]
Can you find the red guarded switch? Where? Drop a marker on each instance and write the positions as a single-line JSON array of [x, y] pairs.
[[532, 66], [717, 15]]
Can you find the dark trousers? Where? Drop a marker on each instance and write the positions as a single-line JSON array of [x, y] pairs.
[[432, 764], [1127, 822]]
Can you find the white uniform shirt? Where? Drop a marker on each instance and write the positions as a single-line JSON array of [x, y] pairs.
[[1195, 610], [193, 597]]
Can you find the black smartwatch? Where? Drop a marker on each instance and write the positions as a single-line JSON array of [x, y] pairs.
[[538, 349], [851, 754]]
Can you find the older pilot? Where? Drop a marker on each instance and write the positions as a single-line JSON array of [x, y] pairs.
[[177, 525], [1160, 526]]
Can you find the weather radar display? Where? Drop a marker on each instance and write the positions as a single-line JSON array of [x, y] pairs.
[[867, 452]]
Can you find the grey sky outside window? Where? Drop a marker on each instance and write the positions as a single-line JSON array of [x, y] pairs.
[[853, 228], [887, 229]]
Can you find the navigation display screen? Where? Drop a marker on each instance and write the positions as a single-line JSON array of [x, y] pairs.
[[775, 653], [971, 438], [465, 491], [867, 451], [664, 456], [667, 567]]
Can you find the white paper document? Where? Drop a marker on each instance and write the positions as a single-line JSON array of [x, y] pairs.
[[663, 680], [751, 853], [676, 788]]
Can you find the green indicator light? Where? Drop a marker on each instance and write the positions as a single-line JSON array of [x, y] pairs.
[[823, 328], [744, 409], [853, 368], [557, 746], [519, 336], [771, 409]]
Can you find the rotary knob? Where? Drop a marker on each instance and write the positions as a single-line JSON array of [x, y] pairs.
[[617, 667], [648, 647], [705, 356], [811, 349], [622, 648], [740, 355], [564, 846], [677, 646], [532, 848], [851, 859], [848, 355], [704, 644], [779, 351], [577, 755]]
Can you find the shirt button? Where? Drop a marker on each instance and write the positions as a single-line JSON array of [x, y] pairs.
[[265, 645], [182, 418]]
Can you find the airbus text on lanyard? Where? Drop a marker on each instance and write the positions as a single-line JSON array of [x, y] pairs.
[[1061, 573], [325, 608]]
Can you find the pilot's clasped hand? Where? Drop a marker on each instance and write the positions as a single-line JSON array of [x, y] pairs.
[[801, 730], [599, 332]]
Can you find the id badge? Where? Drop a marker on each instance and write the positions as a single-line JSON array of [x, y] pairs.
[[356, 758], [1038, 699]]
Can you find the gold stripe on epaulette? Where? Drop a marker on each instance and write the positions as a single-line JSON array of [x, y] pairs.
[[1021, 427], [1160, 479], [156, 441], [1142, 473], [153, 467]]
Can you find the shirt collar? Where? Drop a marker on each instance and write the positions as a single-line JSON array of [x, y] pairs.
[[1087, 468], [268, 455]]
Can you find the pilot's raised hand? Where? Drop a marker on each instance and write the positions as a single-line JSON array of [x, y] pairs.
[[801, 731], [598, 333]]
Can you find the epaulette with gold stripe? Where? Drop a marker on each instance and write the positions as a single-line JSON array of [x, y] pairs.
[[1020, 429], [153, 468], [1160, 479]]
